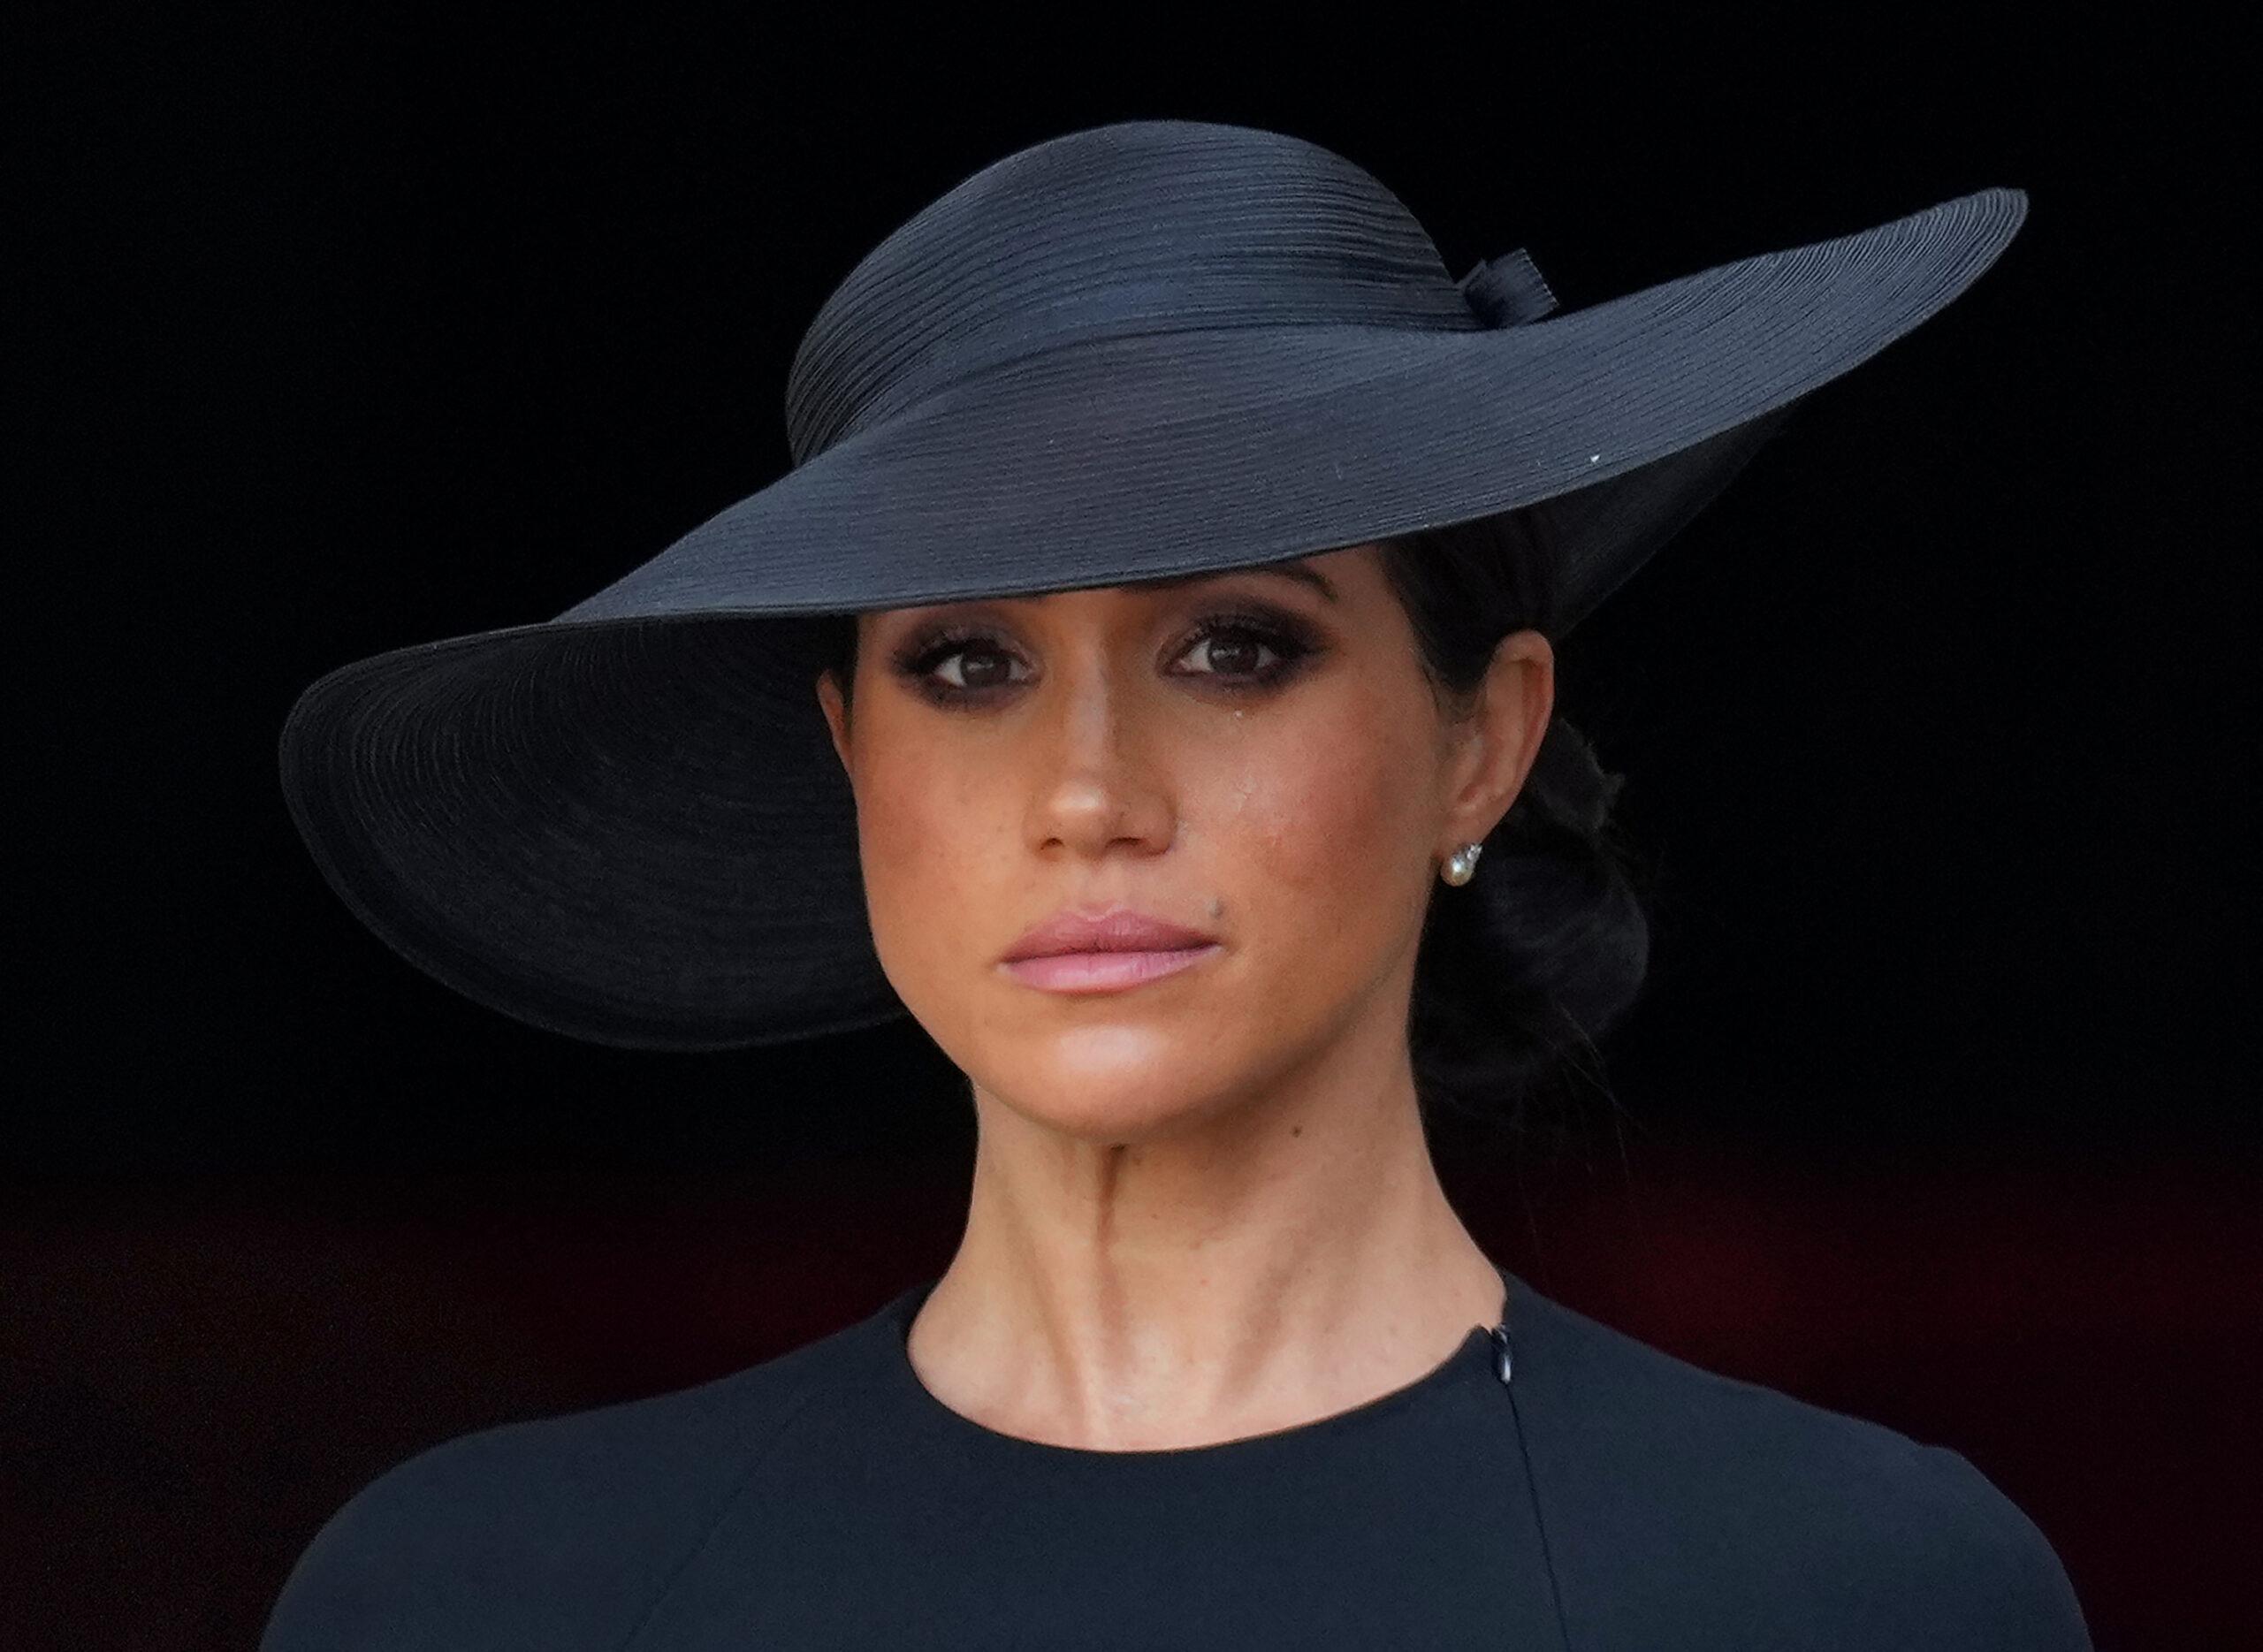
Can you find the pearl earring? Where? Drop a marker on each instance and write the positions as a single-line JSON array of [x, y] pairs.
[[1461, 865]]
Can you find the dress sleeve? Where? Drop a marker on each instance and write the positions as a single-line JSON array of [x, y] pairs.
[[514, 1538], [2007, 1590], [349, 1586], [550, 1534]]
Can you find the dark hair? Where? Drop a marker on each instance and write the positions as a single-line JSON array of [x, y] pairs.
[[1521, 968]]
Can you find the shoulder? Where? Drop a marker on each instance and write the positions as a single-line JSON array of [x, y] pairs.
[[2009, 1582], [556, 1532], [1793, 1523]]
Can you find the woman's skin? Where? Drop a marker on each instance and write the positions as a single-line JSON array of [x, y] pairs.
[[1202, 1208]]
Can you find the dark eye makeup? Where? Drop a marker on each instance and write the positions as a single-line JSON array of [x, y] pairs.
[[1246, 630]]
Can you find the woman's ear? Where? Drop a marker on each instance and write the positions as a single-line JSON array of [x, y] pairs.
[[836, 714], [1502, 738]]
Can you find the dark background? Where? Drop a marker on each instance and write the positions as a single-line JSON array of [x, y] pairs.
[[331, 334]]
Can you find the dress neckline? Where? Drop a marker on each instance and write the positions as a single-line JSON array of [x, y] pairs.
[[1478, 1358]]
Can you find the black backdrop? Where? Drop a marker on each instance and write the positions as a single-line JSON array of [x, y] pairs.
[[334, 333]]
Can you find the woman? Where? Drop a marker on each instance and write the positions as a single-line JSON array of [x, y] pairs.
[[1176, 557]]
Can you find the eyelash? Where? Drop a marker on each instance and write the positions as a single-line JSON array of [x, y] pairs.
[[1289, 641]]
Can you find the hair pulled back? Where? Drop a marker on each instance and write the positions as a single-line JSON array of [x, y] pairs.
[[1521, 968]]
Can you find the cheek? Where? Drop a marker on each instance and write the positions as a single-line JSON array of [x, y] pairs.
[[1302, 818], [932, 841]]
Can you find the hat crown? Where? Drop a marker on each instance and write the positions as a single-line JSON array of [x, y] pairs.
[[1137, 227]]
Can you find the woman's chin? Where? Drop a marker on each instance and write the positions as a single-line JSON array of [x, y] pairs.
[[1113, 1102]]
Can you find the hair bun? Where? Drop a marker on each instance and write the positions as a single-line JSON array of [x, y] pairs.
[[1581, 790], [1521, 970]]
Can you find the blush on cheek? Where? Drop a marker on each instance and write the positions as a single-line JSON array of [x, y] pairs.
[[1322, 826], [941, 875], [897, 844], [890, 822]]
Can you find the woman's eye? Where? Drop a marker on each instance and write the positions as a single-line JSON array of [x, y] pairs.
[[1233, 651], [992, 668]]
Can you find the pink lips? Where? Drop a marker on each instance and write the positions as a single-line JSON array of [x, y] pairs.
[[1103, 952]]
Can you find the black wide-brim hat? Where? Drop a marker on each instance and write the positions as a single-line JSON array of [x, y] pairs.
[[1144, 349]]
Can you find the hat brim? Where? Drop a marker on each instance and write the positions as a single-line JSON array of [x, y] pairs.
[[627, 825]]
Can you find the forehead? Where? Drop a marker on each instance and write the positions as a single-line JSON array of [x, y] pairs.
[[1301, 571]]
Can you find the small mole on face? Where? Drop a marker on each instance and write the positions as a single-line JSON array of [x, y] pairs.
[[1217, 907]]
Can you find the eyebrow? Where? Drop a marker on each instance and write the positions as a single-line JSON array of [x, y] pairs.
[[1297, 571]]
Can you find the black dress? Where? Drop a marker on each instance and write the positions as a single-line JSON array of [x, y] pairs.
[[1553, 1483]]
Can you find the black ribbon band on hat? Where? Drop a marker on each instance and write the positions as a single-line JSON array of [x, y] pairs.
[[935, 337], [1507, 291], [1265, 290]]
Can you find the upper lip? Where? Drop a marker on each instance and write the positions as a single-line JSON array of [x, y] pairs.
[[1114, 929]]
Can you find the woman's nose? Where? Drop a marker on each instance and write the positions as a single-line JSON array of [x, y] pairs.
[[1098, 778]]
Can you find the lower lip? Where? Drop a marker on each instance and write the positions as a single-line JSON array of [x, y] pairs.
[[1104, 972]]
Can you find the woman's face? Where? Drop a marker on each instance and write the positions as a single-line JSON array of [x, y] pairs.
[[1247, 755]]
